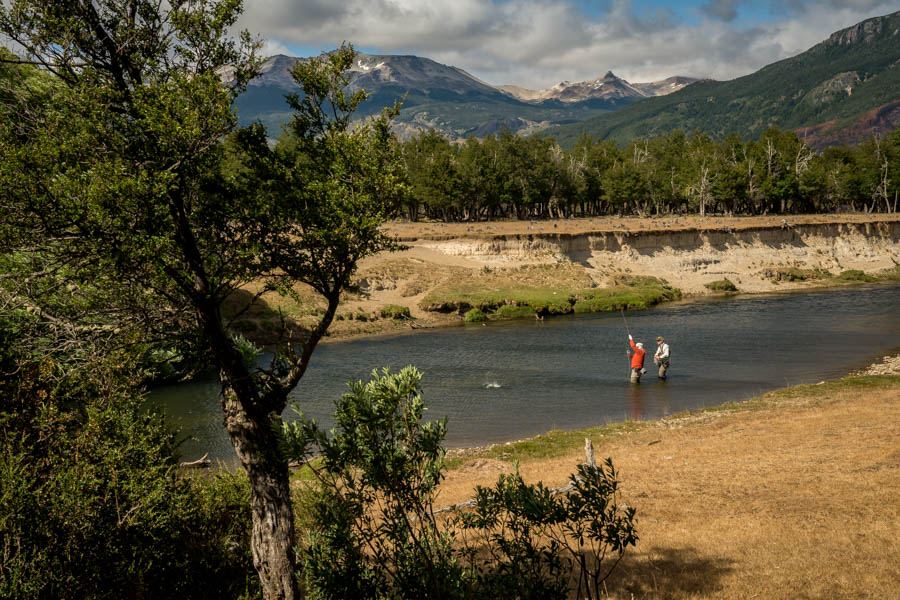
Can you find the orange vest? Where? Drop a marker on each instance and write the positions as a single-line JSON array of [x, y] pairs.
[[637, 359]]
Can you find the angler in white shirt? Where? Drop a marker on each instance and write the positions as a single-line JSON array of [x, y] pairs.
[[661, 358]]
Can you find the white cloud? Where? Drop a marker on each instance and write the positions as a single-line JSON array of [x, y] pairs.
[[535, 43]]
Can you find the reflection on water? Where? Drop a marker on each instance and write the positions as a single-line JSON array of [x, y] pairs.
[[517, 379]]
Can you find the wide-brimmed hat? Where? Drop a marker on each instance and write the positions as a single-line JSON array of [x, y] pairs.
[[660, 339]]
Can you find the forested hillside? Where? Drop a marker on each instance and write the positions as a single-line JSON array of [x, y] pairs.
[[854, 71]]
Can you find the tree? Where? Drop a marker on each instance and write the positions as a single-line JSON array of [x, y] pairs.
[[131, 203]]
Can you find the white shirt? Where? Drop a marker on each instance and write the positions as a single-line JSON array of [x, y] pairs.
[[662, 351]]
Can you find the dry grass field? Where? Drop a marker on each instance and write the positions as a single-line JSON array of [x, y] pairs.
[[426, 230], [793, 495]]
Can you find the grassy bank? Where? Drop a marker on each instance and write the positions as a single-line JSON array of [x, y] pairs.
[[792, 494], [509, 295]]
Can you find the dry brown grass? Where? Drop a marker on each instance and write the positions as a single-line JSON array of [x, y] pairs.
[[421, 230], [797, 498]]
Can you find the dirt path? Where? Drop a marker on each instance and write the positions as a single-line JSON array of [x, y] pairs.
[[794, 496]]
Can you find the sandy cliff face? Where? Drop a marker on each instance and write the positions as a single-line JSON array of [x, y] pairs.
[[688, 259]]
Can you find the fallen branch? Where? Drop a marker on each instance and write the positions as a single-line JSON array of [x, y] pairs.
[[201, 463]]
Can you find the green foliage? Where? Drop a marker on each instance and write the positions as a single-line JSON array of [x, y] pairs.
[[509, 311], [375, 534], [890, 274], [395, 311], [91, 503], [511, 177], [526, 301], [249, 351], [475, 315], [721, 285], [372, 531], [794, 274], [586, 524], [855, 275], [629, 293], [132, 209]]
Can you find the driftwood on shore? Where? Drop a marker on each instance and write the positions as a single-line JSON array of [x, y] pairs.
[[201, 463]]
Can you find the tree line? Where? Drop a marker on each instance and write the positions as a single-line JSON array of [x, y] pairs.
[[512, 177]]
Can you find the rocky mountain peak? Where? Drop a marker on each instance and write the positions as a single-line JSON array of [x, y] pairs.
[[865, 31]]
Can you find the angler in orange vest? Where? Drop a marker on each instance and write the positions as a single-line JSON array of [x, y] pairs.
[[637, 360]]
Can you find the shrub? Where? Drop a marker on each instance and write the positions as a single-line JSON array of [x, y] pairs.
[[891, 274], [855, 275], [371, 531], [476, 315], [721, 285], [508, 311], [91, 505], [794, 274], [586, 524], [394, 311]]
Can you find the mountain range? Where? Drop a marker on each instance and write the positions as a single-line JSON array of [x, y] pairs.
[[841, 90], [449, 99]]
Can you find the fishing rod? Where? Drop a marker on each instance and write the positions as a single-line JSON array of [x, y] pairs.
[[622, 310], [627, 356]]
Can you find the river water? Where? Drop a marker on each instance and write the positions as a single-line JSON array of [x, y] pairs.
[[515, 379]]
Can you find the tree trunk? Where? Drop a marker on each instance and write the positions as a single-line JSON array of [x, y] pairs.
[[272, 537]]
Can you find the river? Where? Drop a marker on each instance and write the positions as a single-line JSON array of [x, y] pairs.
[[515, 379]]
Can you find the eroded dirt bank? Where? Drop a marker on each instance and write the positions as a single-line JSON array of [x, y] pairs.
[[755, 258], [519, 259]]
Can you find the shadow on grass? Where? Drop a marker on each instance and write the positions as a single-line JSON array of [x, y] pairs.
[[261, 322], [662, 573]]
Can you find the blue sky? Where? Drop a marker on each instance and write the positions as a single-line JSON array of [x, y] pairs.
[[537, 43]]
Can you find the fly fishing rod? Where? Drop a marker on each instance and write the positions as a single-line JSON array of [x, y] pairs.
[[622, 310]]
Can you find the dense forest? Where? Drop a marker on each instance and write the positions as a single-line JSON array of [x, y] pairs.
[[533, 177]]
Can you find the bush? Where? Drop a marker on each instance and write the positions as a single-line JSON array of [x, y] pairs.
[[890, 274], [855, 275], [476, 315], [585, 524], [394, 311], [508, 311], [794, 274], [91, 504], [377, 479], [721, 285]]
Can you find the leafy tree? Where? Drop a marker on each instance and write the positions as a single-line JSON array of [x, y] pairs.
[[120, 193]]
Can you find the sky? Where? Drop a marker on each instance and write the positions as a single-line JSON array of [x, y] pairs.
[[538, 43]]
